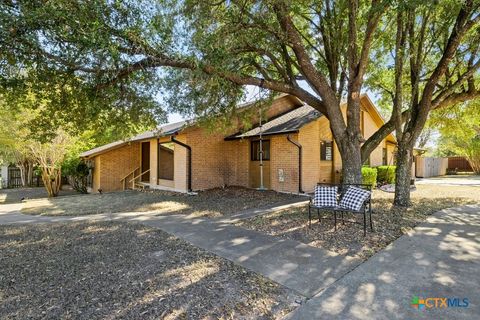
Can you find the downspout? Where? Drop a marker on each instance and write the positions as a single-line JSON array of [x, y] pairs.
[[158, 161], [299, 146], [189, 149]]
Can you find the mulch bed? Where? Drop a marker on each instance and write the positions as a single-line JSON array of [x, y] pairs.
[[389, 222], [112, 270], [211, 203]]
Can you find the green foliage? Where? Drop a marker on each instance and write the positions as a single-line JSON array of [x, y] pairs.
[[77, 172], [369, 176], [386, 174], [459, 128]]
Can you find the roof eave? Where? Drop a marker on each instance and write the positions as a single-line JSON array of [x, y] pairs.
[[258, 135]]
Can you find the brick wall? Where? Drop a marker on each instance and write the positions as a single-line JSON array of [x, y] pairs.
[[115, 164], [284, 155]]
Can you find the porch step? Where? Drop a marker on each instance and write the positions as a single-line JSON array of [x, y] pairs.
[[141, 186]]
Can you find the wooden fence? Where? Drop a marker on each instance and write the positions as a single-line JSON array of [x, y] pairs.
[[15, 179], [459, 164], [430, 167]]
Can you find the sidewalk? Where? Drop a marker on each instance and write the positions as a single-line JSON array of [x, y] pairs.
[[440, 258]]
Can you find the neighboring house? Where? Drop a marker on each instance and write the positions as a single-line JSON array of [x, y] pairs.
[[298, 152]]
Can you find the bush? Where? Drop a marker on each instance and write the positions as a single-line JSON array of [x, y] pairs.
[[77, 173], [369, 176], [386, 174]]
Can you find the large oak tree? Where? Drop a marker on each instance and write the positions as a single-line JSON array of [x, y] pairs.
[[209, 51], [435, 64], [206, 52]]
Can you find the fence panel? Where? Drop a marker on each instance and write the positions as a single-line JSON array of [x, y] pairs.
[[459, 164], [430, 167]]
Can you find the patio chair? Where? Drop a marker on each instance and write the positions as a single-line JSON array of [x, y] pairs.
[[346, 198]]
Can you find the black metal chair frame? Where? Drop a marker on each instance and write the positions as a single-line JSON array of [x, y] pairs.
[[342, 188]]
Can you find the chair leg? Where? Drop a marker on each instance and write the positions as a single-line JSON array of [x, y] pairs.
[[318, 215], [371, 221], [335, 219], [309, 216], [343, 219], [364, 223]]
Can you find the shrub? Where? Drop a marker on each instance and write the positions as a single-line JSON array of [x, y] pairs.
[[386, 174], [369, 176], [77, 173]]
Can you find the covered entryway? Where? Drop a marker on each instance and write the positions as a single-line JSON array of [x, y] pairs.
[[254, 169], [166, 161], [145, 162]]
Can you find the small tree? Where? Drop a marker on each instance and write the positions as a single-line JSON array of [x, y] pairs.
[[50, 156], [459, 128]]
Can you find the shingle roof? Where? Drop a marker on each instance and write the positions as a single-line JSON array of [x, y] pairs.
[[162, 131], [291, 121]]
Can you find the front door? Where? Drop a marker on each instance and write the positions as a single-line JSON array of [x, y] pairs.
[[255, 174], [145, 161]]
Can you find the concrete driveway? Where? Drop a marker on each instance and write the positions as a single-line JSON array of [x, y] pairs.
[[439, 259], [453, 180]]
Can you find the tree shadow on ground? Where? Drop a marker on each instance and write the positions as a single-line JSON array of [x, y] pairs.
[[111, 270], [389, 224]]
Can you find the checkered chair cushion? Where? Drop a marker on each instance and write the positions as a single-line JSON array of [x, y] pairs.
[[354, 198], [325, 196]]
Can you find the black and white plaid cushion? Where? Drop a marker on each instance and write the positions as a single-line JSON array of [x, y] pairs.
[[354, 198], [325, 196]]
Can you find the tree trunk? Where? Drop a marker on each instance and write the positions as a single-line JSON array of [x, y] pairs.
[[22, 174], [29, 173], [403, 175], [52, 179], [351, 162]]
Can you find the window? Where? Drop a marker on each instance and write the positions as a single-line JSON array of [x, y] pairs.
[[255, 152], [326, 150], [385, 157]]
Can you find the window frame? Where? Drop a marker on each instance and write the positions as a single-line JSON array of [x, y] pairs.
[[324, 144], [254, 150]]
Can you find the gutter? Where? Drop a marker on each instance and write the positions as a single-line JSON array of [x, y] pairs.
[[299, 146], [189, 149]]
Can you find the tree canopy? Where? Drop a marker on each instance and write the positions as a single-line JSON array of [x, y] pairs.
[[199, 55]]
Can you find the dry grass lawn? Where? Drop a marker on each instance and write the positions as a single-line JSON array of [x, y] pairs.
[[211, 203], [389, 223], [112, 270]]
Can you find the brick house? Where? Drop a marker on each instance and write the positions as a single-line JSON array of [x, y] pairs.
[[298, 152]]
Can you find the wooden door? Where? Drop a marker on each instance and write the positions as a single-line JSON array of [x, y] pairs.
[[145, 161], [254, 169]]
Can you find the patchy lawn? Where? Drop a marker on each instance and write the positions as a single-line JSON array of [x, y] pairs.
[[211, 203], [112, 270], [18, 194], [389, 223]]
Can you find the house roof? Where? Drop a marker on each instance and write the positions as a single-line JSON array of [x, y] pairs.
[[289, 122], [165, 130]]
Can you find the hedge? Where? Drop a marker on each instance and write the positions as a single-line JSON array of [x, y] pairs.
[[369, 176], [386, 174]]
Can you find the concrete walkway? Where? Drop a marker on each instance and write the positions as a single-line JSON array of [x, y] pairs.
[[453, 180], [440, 258], [304, 269]]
